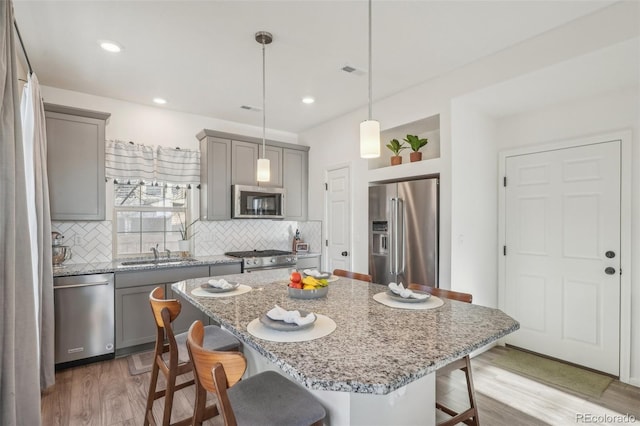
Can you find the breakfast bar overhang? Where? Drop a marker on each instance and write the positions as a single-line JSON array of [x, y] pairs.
[[377, 366]]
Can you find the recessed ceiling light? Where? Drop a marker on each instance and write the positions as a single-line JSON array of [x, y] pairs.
[[159, 101], [308, 100], [110, 46]]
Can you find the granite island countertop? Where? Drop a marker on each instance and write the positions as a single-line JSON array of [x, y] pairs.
[[116, 266], [375, 349]]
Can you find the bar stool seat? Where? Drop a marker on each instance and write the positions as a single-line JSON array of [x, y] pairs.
[[215, 338]]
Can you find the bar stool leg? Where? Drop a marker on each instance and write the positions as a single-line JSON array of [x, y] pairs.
[[152, 391]]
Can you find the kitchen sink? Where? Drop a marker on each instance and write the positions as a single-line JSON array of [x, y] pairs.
[[159, 262]]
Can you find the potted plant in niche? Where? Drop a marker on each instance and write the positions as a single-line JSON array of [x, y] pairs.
[[186, 232], [396, 147], [416, 143]]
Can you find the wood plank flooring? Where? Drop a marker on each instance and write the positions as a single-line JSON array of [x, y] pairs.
[[104, 394]]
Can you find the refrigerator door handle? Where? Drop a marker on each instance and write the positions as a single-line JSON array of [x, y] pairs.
[[396, 238], [392, 237], [400, 237]]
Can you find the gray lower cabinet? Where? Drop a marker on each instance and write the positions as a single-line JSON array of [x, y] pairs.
[[75, 162], [134, 321], [295, 175]]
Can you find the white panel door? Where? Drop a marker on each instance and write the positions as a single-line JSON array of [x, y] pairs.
[[563, 253], [338, 214]]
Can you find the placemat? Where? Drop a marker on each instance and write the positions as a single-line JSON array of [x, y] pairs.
[[431, 303], [322, 327], [203, 293]]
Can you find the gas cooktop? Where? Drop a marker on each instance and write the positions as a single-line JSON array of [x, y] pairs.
[[258, 253]]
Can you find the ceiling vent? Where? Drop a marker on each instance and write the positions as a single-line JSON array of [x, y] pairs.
[[250, 108], [351, 70]]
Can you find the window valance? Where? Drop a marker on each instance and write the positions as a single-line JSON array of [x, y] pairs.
[[131, 162]]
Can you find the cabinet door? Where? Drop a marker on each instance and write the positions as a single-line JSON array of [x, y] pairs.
[[188, 314], [134, 320], [215, 179], [75, 164], [295, 176], [244, 156], [274, 154]]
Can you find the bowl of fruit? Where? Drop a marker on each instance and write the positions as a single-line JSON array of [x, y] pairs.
[[307, 287]]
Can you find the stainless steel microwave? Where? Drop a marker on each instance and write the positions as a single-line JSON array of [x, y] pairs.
[[257, 202]]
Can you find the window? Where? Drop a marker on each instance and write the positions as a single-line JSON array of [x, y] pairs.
[[146, 215]]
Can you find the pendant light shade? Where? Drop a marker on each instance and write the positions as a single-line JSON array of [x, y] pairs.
[[370, 129], [264, 166], [370, 139]]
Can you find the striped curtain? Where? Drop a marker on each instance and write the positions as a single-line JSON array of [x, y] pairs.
[[131, 162], [177, 165]]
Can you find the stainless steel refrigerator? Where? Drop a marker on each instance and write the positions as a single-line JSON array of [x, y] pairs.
[[403, 232]]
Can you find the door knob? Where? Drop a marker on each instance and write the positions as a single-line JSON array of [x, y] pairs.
[[610, 254], [609, 270], [344, 253]]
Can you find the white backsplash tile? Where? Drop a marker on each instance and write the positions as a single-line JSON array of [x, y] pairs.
[[90, 242], [311, 232]]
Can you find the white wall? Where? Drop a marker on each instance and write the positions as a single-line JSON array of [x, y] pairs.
[[474, 204], [155, 125]]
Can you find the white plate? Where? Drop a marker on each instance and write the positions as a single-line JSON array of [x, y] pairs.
[[211, 289]]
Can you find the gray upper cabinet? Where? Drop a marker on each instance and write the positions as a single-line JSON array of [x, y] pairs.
[[274, 154], [244, 163], [295, 173], [215, 178], [228, 159], [75, 162]]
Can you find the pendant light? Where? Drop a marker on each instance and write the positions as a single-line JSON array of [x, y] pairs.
[[370, 129], [264, 168]]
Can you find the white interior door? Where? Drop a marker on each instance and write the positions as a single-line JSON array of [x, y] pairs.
[[338, 237], [562, 265]]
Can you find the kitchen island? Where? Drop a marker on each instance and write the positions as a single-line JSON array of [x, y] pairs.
[[378, 366]]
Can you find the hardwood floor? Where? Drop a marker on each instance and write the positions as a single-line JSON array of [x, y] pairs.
[[104, 394]]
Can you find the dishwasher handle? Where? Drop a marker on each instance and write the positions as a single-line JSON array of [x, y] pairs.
[[59, 287]]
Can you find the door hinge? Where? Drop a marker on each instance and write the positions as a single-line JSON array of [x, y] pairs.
[[504, 250], [504, 181], [326, 186], [620, 271], [326, 243]]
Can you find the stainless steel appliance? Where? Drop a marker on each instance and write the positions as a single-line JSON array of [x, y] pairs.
[[257, 202], [256, 260], [84, 317], [403, 232]]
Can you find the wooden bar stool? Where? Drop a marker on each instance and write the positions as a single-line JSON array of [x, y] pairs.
[[353, 275], [469, 416], [266, 399], [172, 358]]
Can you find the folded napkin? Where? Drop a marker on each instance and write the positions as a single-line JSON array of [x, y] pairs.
[[280, 314], [405, 292], [313, 272], [221, 283]]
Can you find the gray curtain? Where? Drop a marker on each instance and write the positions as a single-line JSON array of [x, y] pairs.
[[35, 142], [19, 373]]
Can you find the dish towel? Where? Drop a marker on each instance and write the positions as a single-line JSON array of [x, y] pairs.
[[405, 292], [221, 283], [280, 314]]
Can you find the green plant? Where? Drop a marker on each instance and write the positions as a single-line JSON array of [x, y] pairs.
[[184, 229], [415, 142], [396, 146]]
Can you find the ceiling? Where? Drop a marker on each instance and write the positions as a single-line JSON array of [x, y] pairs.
[[201, 56]]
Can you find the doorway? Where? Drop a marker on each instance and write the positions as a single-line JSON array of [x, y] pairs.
[[562, 221], [338, 218]]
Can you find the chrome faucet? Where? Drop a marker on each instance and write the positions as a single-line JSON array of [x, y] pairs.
[[168, 253], [155, 252]]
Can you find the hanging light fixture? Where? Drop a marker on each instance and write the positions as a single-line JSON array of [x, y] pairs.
[[370, 129], [264, 167]]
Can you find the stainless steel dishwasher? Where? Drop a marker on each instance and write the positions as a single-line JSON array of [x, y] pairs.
[[84, 318]]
